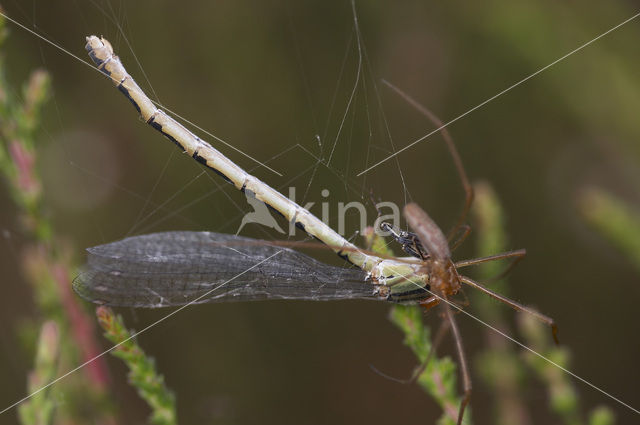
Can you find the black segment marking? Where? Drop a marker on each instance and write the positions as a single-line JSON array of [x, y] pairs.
[[408, 295], [99, 62], [105, 72], [227, 179], [94, 58], [274, 210], [158, 127], [198, 158], [125, 92], [344, 257]]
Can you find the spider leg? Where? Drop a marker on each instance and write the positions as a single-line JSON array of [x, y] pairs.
[[515, 305], [464, 368], [466, 230], [430, 302]]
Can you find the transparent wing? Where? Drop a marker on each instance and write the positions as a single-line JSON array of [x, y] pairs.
[[176, 268]]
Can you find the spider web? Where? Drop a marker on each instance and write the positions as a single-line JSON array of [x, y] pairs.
[[345, 132]]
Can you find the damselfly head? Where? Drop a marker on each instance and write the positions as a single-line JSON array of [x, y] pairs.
[[409, 241]]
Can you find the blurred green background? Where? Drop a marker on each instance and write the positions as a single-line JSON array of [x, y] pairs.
[[274, 79]]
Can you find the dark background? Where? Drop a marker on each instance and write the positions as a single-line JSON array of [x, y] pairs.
[[266, 76]]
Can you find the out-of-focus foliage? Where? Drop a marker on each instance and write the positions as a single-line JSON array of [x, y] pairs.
[[502, 368], [66, 336], [142, 370], [614, 220]]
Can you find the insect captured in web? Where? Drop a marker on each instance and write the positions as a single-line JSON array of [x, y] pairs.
[[180, 268]]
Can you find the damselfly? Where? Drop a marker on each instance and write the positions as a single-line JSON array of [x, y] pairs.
[[178, 268]]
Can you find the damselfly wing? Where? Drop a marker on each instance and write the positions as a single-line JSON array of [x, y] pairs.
[[177, 268]]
